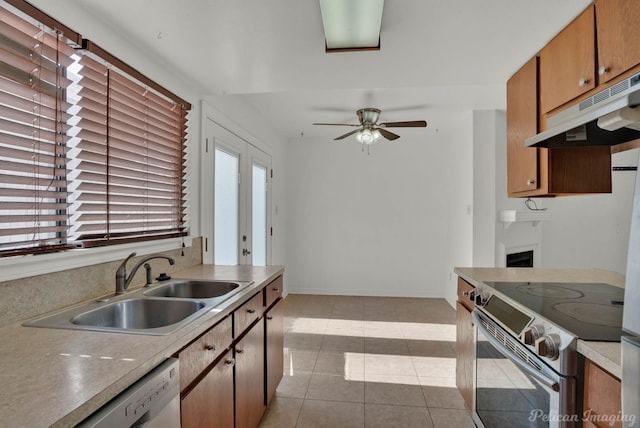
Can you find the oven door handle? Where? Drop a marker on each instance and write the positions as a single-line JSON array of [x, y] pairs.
[[539, 376]]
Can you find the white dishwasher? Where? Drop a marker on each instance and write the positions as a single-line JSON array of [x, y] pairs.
[[151, 402]]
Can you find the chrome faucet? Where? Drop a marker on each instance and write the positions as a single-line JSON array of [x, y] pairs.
[[122, 281]]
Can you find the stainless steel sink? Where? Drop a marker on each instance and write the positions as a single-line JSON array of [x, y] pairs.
[[194, 289], [139, 314], [158, 310]]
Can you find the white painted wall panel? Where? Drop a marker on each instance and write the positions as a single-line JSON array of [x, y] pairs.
[[378, 223]]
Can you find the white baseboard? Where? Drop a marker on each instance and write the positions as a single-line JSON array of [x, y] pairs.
[[362, 292]]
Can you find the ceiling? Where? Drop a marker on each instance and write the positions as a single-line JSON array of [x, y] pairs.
[[436, 57]]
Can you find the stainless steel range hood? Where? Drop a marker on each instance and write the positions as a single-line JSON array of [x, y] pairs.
[[610, 117]]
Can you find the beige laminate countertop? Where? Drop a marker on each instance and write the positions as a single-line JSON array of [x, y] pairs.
[[53, 377], [605, 354]]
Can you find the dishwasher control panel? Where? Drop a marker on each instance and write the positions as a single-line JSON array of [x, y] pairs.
[[142, 401]]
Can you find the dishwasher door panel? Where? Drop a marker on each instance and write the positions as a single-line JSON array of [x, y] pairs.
[[153, 401]]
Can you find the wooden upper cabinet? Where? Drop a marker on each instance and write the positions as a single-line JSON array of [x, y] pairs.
[[522, 123], [618, 35], [567, 63], [547, 172]]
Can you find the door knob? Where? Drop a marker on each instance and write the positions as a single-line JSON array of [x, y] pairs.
[[245, 252]]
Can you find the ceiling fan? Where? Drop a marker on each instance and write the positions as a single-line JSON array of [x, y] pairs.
[[370, 130]]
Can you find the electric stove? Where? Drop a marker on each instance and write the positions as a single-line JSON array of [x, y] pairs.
[[590, 311]]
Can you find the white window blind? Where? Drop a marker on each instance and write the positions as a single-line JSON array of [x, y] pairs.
[[33, 116]]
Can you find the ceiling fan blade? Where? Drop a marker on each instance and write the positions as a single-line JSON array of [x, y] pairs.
[[388, 135], [347, 134], [337, 124], [407, 124]]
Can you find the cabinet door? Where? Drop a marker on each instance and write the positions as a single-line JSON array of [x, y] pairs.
[[249, 353], [618, 34], [465, 353], [274, 341], [602, 396], [210, 402], [522, 123], [567, 63]]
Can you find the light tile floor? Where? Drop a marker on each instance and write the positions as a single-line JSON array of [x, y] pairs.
[[368, 362]]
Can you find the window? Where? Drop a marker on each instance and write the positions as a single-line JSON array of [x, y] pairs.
[[91, 151]]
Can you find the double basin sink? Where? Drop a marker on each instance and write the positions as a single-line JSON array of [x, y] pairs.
[[156, 310]]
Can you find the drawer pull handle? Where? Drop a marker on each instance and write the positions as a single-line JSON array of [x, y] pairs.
[[210, 347], [269, 317], [239, 351], [251, 311], [230, 362], [276, 289]]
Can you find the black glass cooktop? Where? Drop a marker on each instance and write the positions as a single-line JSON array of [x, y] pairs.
[[591, 311]]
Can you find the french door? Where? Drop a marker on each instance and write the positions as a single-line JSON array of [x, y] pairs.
[[241, 201]]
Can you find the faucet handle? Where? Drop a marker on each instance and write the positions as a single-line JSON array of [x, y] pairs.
[[122, 269]]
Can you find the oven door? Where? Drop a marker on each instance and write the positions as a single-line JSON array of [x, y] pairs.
[[514, 387]]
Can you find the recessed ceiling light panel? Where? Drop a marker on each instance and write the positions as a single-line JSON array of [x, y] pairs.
[[352, 24]]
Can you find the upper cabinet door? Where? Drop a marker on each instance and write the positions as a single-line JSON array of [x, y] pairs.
[[618, 36], [522, 123], [567, 63]]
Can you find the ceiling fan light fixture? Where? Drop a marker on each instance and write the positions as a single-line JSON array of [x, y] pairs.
[[351, 25], [368, 136]]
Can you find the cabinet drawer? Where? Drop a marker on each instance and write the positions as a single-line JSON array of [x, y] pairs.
[[201, 353], [464, 292], [247, 314], [273, 291]]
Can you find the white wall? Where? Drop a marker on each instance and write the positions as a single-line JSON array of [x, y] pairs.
[[592, 230], [382, 223], [485, 143]]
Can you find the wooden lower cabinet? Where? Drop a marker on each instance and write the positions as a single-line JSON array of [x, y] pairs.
[[602, 398], [465, 344], [210, 402], [231, 371], [274, 345], [465, 353], [249, 353]]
